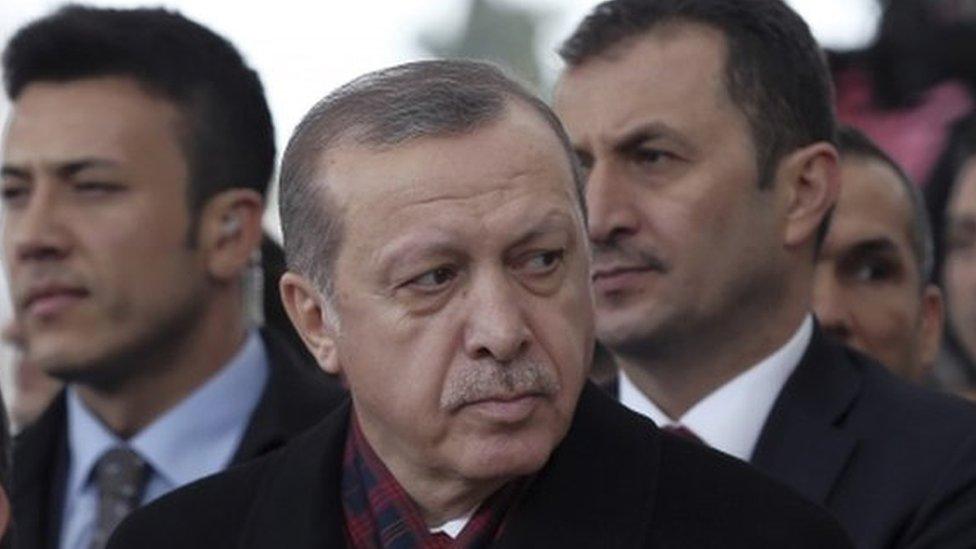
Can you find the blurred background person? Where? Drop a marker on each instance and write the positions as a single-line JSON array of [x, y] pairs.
[[951, 199], [134, 166], [871, 284], [913, 81], [33, 390]]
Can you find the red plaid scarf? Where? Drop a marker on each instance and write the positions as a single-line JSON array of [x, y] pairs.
[[380, 514]]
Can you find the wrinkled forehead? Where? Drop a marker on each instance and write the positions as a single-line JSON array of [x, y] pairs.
[[517, 158]]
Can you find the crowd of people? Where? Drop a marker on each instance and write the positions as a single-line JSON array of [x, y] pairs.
[[681, 306]]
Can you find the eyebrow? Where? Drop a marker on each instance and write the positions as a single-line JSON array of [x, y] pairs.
[[881, 244], [553, 221], [634, 137], [62, 169], [443, 242]]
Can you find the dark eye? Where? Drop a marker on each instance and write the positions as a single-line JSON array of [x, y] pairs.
[[14, 193], [874, 270], [542, 262], [96, 187], [433, 279], [872, 273], [650, 156]]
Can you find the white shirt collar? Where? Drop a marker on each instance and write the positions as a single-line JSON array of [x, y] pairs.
[[453, 527], [195, 438], [731, 418]]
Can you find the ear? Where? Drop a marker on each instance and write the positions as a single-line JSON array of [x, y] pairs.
[[306, 309], [931, 326], [230, 231], [810, 179]]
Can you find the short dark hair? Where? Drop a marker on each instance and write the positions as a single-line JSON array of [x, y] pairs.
[[853, 143], [384, 109], [229, 137], [775, 72]]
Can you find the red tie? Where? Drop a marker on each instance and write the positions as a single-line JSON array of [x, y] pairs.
[[683, 432]]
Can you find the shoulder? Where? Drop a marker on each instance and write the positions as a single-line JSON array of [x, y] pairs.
[[708, 499], [616, 478], [221, 510], [894, 417], [205, 513]]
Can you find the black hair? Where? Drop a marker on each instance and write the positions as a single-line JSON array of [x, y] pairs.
[[227, 136], [775, 72]]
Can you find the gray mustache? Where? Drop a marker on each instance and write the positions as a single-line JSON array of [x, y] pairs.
[[488, 379]]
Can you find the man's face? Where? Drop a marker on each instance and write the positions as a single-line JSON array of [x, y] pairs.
[[462, 296], [960, 264], [684, 240], [867, 289], [95, 226]]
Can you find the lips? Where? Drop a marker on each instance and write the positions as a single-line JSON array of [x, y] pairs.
[[607, 280], [610, 272], [507, 408], [47, 300]]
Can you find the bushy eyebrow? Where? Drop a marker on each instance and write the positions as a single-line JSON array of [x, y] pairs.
[[874, 246], [442, 242], [61, 169], [635, 137]]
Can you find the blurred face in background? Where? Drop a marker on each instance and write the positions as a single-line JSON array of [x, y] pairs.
[[95, 225], [868, 291], [960, 263]]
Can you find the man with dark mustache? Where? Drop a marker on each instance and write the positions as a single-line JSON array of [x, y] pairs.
[[135, 162], [438, 261], [706, 130]]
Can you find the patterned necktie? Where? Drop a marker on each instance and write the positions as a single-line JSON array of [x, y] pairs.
[[683, 432], [120, 477]]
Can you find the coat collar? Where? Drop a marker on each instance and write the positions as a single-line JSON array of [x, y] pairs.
[[298, 394], [40, 458], [804, 442], [577, 499]]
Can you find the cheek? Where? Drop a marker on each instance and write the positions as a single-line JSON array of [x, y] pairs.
[[887, 318], [960, 279], [400, 360]]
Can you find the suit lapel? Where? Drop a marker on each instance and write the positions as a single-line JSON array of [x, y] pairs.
[[39, 464], [803, 443]]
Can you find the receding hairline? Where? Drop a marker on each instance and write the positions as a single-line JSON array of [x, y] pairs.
[[513, 109]]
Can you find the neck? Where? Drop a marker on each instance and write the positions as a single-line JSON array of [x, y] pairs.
[[157, 381], [680, 378]]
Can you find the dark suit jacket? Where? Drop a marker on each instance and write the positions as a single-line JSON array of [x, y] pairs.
[[894, 462], [614, 481], [295, 398]]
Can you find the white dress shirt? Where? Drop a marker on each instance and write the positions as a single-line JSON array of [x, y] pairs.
[[195, 438], [731, 417]]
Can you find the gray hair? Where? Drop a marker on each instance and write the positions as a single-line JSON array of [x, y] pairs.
[[383, 109]]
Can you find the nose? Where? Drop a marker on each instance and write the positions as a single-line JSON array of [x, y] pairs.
[[831, 306], [496, 326], [610, 205], [35, 230]]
